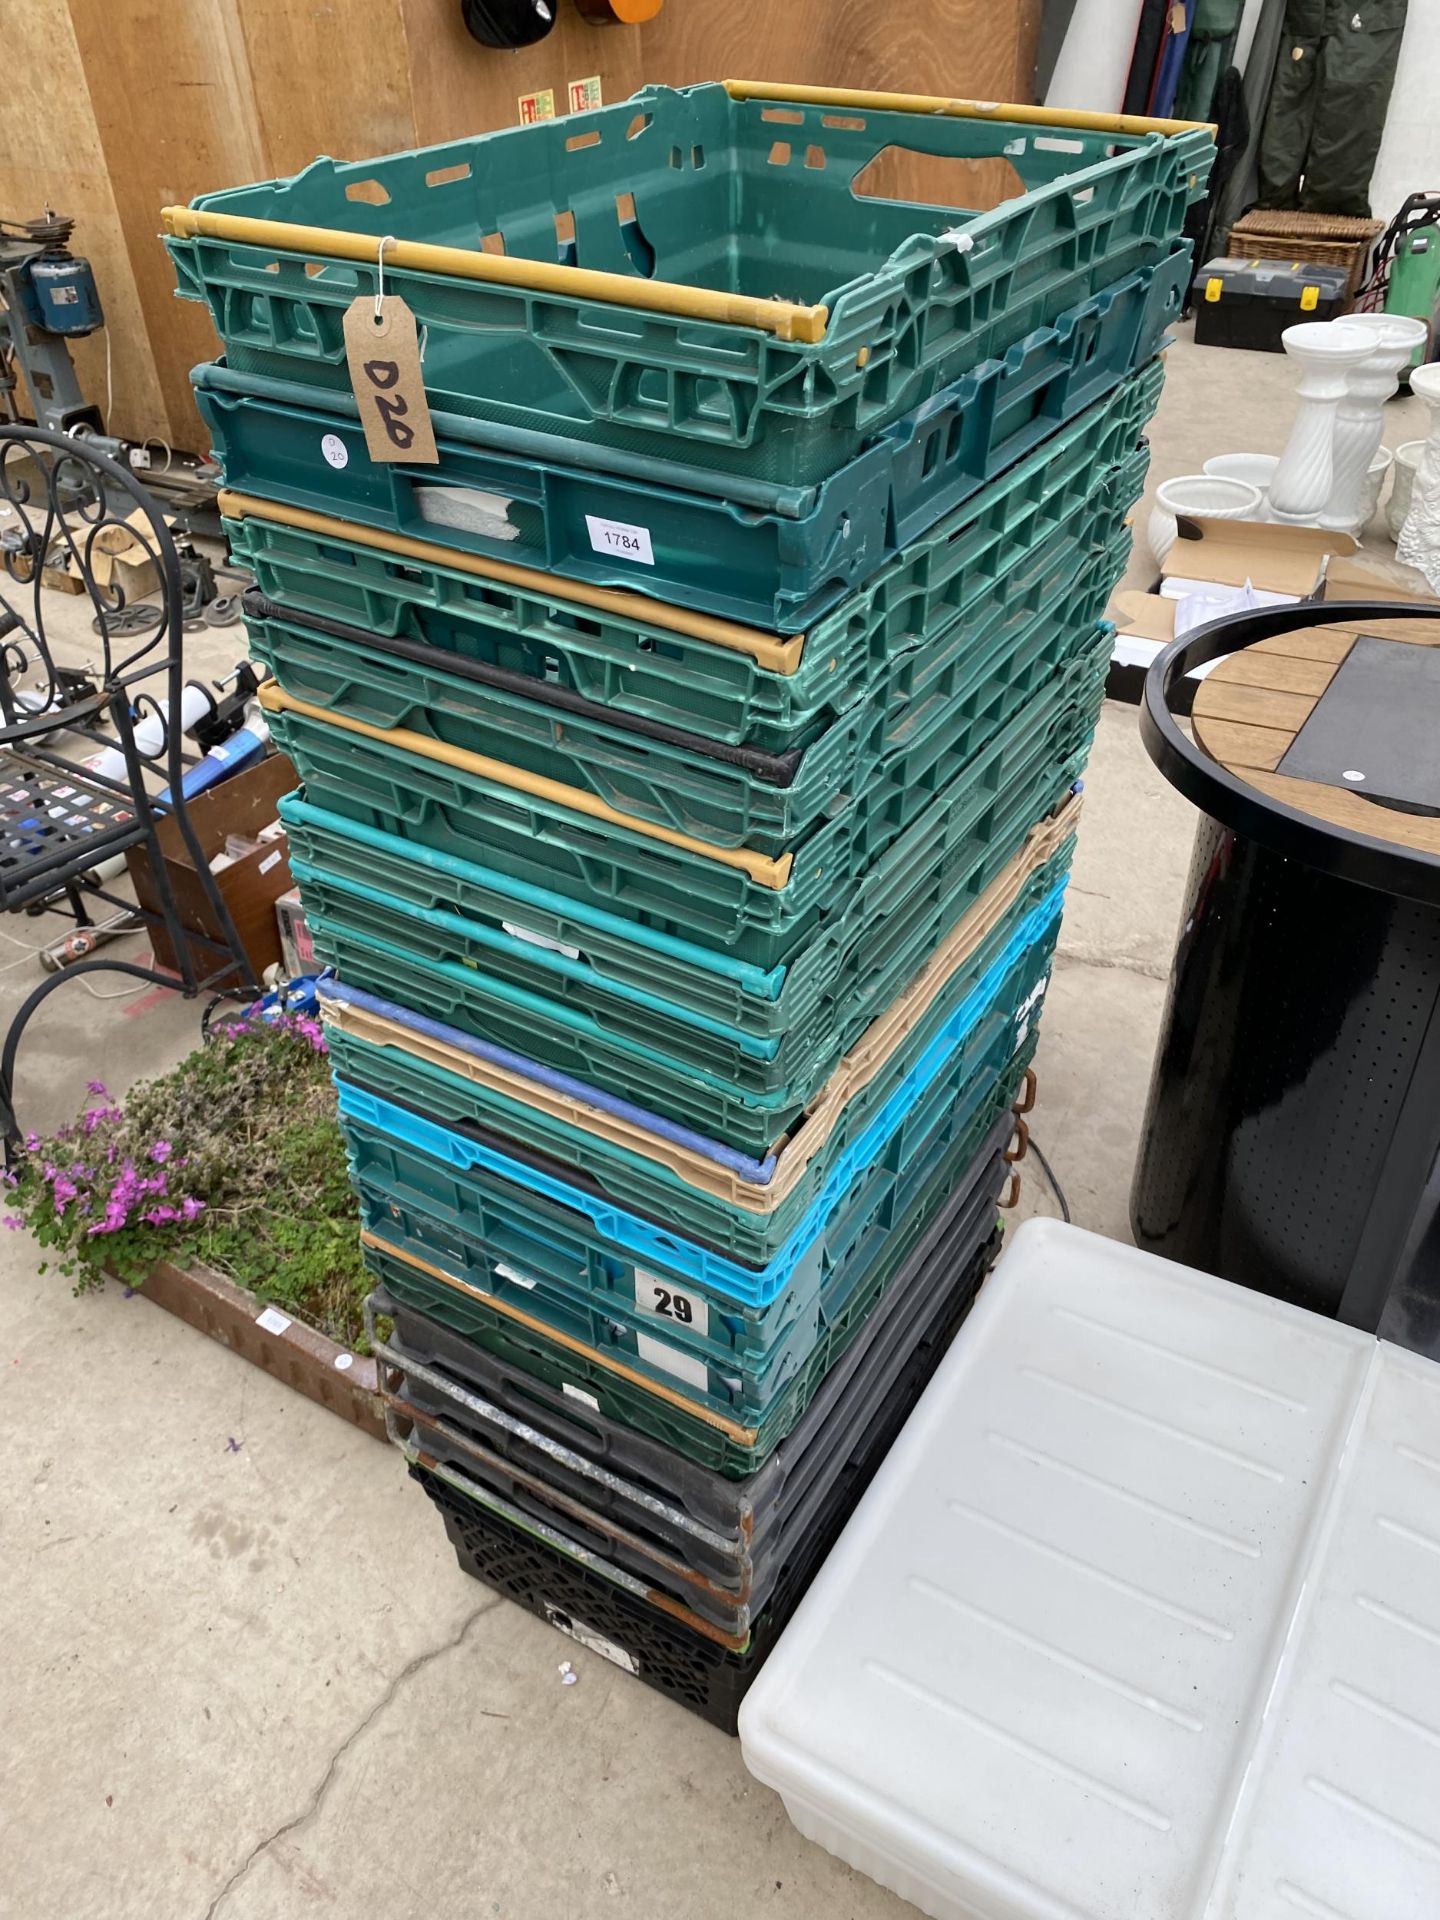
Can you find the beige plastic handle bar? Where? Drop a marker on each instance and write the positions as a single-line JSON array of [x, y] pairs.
[[776, 653], [862, 102], [786, 319], [762, 869]]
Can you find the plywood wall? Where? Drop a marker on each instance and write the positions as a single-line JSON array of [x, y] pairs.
[[115, 108]]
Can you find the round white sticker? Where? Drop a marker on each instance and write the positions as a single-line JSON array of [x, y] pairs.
[[335, 450]]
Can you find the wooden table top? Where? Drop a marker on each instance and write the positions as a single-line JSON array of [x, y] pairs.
[[1249, 709]]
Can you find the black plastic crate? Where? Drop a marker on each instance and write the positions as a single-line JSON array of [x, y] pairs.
[[640, 1638]]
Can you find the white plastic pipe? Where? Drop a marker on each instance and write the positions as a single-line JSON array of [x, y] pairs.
[[150, 734]]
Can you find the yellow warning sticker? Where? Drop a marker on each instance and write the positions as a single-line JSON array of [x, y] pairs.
[[1309, 299], [1212, 287]]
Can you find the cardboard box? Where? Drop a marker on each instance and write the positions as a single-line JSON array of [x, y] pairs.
[[123, 558], [120, 560], [64, 577], [249, 886], [1272, 556], [1289, 562]]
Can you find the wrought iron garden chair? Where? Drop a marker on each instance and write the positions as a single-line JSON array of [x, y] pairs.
[[64, 820]]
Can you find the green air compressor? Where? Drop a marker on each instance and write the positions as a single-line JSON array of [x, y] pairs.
[[1407, 270]]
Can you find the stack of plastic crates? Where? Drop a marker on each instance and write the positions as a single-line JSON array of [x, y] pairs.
[[690, 760]]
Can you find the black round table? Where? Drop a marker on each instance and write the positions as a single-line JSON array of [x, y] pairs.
[[1292, 1137]]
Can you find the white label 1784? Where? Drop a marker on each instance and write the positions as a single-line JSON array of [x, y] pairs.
[[620, 541]]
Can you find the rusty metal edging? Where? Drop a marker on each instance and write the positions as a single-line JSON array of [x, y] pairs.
[[343, 1382]]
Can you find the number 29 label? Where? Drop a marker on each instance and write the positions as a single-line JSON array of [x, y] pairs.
[[666, 1302]]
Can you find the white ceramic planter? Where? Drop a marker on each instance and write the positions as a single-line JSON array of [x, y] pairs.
[[1419, 541], [1407, 459], [1205, 495], [1374, 486], [1256, 469]]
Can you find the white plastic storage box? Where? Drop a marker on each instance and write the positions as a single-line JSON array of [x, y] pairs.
[[1139, 1621]]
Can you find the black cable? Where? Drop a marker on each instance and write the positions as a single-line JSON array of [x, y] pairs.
[[1049, 1173]]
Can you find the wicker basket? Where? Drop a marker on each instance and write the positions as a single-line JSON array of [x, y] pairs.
[[1320, 239]]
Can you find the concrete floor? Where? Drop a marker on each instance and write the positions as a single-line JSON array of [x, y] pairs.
[[246, 1680]]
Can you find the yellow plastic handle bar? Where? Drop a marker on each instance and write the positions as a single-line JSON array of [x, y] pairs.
[[861, 102], [776, 652], [786, 319], [762, 869]]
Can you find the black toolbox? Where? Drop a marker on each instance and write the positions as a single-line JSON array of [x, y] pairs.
[[1250, 303]]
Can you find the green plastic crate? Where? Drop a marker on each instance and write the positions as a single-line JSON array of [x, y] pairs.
[[777, 558], [900, 911], [757, 911], [628, 1037], [733, 1359], [708, 1207], [943, 697], [928, 733], [697, 221], [1084, 478], [496, 1173], [677, 1420], [745, 1237]]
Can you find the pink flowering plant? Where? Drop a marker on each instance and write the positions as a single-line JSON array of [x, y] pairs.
[[233, 1160]]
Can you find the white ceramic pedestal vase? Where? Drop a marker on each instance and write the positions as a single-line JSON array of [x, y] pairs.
[[1326, 352], [1359, 419], [1419, 542], [1207, 495]]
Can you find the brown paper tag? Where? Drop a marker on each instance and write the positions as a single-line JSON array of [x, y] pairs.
[[384, 360]]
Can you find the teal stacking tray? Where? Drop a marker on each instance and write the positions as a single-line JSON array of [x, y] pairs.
[[728, 686], [746, 1212], [756, 908], [940, 698], [759, 554], [528, 1254], [668, 1412], [498, 1186], [710, 276], [747, 1088]]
